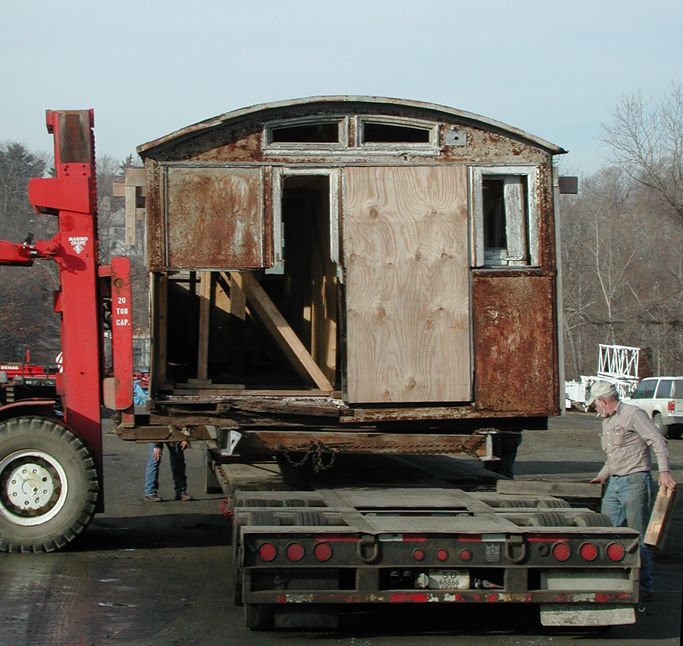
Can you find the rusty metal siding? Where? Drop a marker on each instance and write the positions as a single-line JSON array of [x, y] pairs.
[[514, 342], [214, 218]]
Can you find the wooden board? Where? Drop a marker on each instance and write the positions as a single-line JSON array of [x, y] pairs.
[[283, 334], [655, 535], [407, 270]]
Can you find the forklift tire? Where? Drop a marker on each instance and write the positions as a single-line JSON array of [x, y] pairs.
[[48, 485]]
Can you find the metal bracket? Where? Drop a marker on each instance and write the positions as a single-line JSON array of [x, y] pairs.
[[233, 440]]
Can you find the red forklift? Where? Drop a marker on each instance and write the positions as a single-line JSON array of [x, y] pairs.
[[51, 455]]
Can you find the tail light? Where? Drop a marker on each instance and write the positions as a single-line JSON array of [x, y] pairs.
[[588, 552], [671, 406], [267, 552], [465, 555], [442, 555], [295, 552], [419, 555], [322, 552], [561, 551], [615, 552]]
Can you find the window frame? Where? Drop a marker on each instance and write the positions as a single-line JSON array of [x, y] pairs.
[[279, 175], [415, 148], [531, 220], [662, 384], [304, 147]]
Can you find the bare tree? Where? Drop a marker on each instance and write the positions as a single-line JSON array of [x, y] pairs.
[[646, 137]]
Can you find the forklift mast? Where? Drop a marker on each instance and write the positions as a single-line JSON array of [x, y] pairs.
[[85, 287]]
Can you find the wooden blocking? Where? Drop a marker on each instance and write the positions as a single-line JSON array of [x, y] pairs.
[[283, 334], [655, 535]]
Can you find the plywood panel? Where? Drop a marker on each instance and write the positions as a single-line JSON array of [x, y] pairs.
[[214, 218], [406, 259]]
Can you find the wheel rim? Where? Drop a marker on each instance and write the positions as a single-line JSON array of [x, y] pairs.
[[33, 487], [657, 421]]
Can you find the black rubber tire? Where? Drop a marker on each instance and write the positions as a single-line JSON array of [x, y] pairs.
[[591, 519], [674, 431], [61, 460], [548, 519], [556, 503]]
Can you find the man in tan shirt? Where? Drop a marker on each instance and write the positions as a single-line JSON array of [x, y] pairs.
[[627, 437]]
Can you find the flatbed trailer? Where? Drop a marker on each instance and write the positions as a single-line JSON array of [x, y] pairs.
[[420, 545], [329, 276]]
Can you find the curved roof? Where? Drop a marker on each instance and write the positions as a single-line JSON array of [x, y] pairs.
[[241, 113]]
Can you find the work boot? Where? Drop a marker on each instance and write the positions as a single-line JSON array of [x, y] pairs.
[[153, 498]]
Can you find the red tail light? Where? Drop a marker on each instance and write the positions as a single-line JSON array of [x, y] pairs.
[[588, 552], [561, 551], [322, 551], [267, 552], [465, 555], [295, 552], [615, 552], [671, 406], [419, 555], [442, 555]]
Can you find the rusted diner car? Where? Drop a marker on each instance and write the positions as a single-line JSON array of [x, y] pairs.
[[358, 273]]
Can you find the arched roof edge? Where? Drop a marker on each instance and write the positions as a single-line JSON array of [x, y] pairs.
[[241, 113]]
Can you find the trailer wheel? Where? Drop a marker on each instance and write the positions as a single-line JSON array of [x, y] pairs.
[[553, 503], [48, 485], [548, 519], [259, 616], [591, 519]]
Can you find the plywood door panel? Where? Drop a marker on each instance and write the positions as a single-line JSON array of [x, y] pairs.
[[214, 218], [407, 294]]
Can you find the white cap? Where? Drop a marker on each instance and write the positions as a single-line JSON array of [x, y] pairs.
[[601, 389]]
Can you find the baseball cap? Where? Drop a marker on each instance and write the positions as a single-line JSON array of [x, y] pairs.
[[601, 389]]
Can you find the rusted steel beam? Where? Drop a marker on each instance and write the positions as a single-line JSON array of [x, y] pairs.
[[359, 442], [362, 415]]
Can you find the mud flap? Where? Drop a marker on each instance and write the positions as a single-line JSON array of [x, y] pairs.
[[570, 615]]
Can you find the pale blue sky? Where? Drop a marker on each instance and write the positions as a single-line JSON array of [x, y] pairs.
[[151, 67]]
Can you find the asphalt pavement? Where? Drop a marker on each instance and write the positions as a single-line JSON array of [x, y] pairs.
[[160, 573]]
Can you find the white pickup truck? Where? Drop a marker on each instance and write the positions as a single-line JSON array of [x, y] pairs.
[[662, 399]]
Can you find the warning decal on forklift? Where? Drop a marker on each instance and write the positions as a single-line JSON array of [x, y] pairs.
[[78, 243]]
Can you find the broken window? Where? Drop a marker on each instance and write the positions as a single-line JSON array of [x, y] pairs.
[[303, 133], [310, 133], [392, 133], [505, 217]]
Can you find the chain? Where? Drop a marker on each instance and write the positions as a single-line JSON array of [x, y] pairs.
[[316, 451]]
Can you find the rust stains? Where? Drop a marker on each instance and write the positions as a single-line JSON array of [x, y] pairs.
[[514, 343], [214, 218]]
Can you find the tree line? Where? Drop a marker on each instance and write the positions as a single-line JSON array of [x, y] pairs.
[[622, 241], [622, 237]]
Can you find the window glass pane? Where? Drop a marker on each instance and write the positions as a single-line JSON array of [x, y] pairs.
[[664, 389], [389, 133], [646, 389], [678, 389], [327, 133], [494, 213]]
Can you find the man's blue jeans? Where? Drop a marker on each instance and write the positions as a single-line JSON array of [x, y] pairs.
[[628, 501], [177, 457]]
